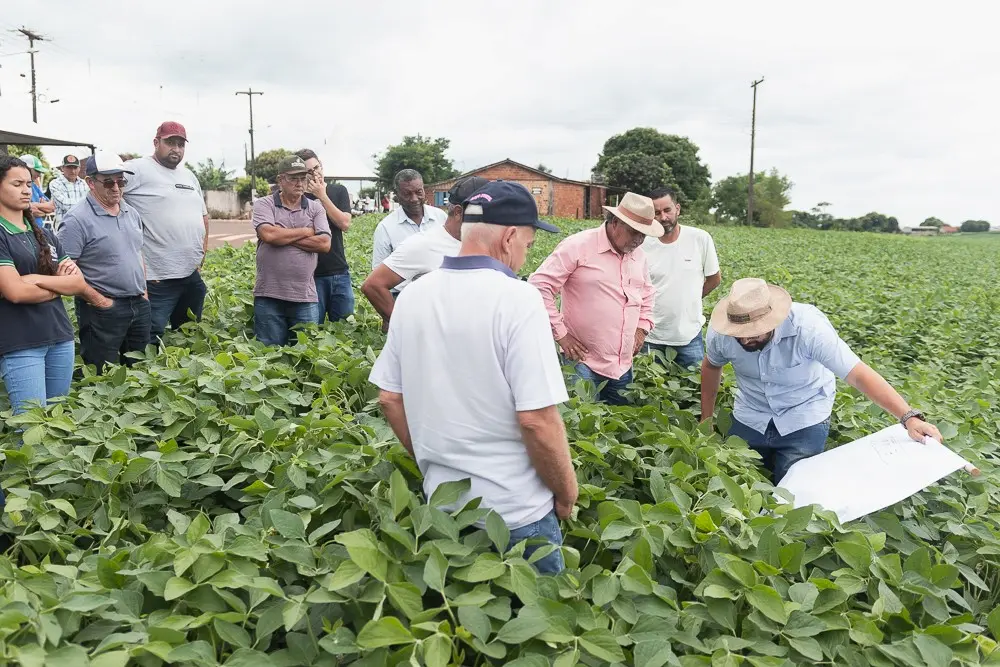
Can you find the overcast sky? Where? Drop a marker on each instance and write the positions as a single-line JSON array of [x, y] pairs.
[[869, 105]]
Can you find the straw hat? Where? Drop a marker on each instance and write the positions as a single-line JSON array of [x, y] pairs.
[[638, 213], [751, 308]]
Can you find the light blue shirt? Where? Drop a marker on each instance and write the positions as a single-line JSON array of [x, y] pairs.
[[396, 228], [792, 381]]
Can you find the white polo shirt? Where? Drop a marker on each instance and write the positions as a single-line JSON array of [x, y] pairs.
[[469, 347], [422, 253], [678, 271], [395, 228]]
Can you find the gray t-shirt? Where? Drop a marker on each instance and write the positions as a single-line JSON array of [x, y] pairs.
[[172, 208], [107, 248], [286, 272]]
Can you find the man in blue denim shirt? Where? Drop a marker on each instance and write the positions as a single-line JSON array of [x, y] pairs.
[[787, 357]]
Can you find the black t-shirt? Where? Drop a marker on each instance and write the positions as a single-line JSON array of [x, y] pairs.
[[28, 325], [334, 261]]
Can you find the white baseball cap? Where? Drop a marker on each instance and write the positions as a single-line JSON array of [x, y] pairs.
[[106, 162]]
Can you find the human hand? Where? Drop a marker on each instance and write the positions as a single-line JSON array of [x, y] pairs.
[[316, 185], [572, 348], [104, 303], [564, 510], [640, 339], [67, 268], [917, 429]]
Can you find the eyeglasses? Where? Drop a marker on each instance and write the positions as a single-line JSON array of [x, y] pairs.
[[111, 183], [298, 178]]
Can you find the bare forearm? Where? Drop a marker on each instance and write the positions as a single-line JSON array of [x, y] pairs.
[[545, 439], [863, 378], [65, 285], [340, 219], [94, 298], [205, 243], [710, 284], [711, 376], [280, 236], [380, 298], [395, 414], [320, 243]]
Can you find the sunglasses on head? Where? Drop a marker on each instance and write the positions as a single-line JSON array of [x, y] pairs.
[[109, 183]]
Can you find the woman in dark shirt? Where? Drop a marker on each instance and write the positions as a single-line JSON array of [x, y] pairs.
[[36, 337]]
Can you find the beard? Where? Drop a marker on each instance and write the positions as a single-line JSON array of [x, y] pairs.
[[755, 346]]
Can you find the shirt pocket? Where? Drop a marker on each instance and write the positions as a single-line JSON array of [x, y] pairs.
[[799, 374]]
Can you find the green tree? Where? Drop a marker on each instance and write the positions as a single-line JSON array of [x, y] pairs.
[[424, 154], [680, 155], [31, 149], [211, 177], [932, 222], [368, 192], [637, 172], [266, 164], [242, 187], [543, 168], [975, 226], [129, 156], [730, 200]]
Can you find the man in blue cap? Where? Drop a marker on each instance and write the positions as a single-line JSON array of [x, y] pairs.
[[471, 355]]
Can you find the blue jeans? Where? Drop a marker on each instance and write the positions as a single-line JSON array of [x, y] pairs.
[[611, 392], [336, 297], [170, 301], [37, 374], [778, 451], [547, 527], [688, 355], [273, 319], [108, 334]]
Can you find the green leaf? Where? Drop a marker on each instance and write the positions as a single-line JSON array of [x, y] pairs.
[[176, 587], [437, 650], [63, 505], [406, 598], [741, 571], [654, 653], [288, 524], [768, 602], [448, 493], [347, 573], [486, 567], [857, 556], [658, 487], [362, 547], [801, 624], [617, 530], [807, 646], [993, 622], [797, 519], [232, 633], [399, 493], [386, 631], [169, 481], [245, 657], [606, 589], [475, 621], [767, 546], [498, 532], [601, 644], [110, 659], [434, 570], [934, 653], [521, 629], [70, 655]]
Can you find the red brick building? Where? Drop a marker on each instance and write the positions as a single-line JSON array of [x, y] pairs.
[[559, 197]]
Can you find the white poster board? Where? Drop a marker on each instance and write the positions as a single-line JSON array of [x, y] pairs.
[[870, 474]]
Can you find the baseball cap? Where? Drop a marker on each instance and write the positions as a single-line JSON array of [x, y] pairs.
[[70, 161], [465, 188], [505, 203], [32, 162], [293, 164], [171, 129], [106, 162]]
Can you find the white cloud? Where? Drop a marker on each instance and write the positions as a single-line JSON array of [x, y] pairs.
[[871, 106]]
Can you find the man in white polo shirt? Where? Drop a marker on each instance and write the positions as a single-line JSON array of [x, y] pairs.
[[470, 355], [684, 269], [421, 253], [413, 216]]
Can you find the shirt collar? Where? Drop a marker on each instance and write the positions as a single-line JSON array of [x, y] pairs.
[[11, 229], [277, 202], [603, 242], [473, 262], [100, 210], [784, 330], [403, 218]]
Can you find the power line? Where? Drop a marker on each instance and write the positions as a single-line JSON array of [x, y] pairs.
[[753, 136], [32, 38], [250, 92]]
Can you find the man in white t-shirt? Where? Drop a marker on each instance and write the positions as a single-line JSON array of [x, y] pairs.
[[421, 253], [684, 269], [168, 197], [470, 354]]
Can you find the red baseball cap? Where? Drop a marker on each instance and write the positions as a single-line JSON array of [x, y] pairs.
[[171, 129]]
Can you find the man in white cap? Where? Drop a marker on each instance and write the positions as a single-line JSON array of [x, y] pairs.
[[787, 357], [607, 296], [470, 380]]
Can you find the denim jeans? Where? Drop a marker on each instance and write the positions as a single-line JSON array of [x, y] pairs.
[[688, 355], [611, 392], [170, 301], [273, 319], [108, 334], [547, 527], [336, 297], [778, 451], [37, 374]]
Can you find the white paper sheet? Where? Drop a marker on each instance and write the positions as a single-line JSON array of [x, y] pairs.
[[869, 474]]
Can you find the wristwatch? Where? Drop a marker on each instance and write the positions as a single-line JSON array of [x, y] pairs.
[[910, 415]]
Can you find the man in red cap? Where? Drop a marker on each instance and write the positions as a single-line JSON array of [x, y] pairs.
[[175, 229]]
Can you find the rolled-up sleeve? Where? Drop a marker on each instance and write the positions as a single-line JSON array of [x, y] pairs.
[[381, 245], [715, 348], [550, 278], [824, 345]]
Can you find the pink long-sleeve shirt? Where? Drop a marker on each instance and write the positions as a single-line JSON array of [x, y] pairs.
[[605, 298]]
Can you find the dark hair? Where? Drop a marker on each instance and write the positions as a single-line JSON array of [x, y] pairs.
[[665, 191], [306, 154], [609, 217], [45, 264], [405, 176]]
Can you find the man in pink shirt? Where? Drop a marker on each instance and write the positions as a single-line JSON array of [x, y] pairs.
[[607, 296]]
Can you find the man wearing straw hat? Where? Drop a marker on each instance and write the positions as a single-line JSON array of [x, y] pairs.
[[607, 296], [787, 357]]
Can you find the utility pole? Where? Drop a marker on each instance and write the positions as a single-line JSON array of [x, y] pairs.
[[32, 38], [250, 92], [753, 135]]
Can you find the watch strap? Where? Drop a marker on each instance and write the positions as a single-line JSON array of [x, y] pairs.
[[910, 415]]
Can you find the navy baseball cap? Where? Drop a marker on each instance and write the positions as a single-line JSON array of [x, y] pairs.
[[505, 203], [465, 188]]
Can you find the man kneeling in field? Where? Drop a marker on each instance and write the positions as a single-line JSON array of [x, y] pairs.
[[787, 357], [470, 380]]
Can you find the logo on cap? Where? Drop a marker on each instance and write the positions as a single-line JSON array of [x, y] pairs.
[[481, 195]]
